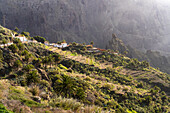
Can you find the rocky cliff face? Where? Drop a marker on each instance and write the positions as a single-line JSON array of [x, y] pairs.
[[139, 23]]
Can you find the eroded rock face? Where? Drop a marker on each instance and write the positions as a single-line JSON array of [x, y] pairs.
[[139, 23], [117, 45]]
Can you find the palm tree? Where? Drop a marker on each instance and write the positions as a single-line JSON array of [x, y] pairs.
[[50, 59], [57, 58], [65, 86], [33, 77]]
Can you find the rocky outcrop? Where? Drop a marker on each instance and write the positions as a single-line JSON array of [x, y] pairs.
[[117, 45], [153, 57]]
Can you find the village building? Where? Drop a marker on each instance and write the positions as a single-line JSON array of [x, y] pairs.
[[46, 43], [22, 38], [62, 45]]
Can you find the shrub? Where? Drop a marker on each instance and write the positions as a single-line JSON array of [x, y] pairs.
[[17, 41], [14, 48], [62, 67], [67, 104], [35, 91], [28, 67], [27, 34], [40, 39], [125, 89], [17, 64]]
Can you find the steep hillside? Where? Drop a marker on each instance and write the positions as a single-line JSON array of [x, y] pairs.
[[144, 25], [155, 58], [78, 78]]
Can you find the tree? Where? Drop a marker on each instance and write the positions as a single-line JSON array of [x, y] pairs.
[[17, 64], [63, 41], [145, 64], [1, 54], [84, 48], [25, 52], [45, 61], [20, 46], [28, 67], [27, 34], [92, 43], [16, 41], [4, 41], [16, 29], [57, 58], [40, 39], [65, 86], [50, 59], [68, 63], [28, 57], [74, 44], [125, 52], [14, 48], [33, 77], [37, 62]]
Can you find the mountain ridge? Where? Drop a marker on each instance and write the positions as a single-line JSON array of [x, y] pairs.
[[90, 20]]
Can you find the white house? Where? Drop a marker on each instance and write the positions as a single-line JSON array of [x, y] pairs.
[[46, 43], [22, 38], [62, 45]]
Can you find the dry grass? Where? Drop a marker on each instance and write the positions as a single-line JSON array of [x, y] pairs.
[[81, 59], [4, 85]]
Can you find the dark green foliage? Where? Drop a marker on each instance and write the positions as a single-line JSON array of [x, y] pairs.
[[14, 48], [28, 67], [74, 44], [91, 42], [20, 46], [37, 62], [4, 41], [25, 52], [57, 58], [16, 29], [27, 34], [16, 41], [40, 39], [28, 57], [17, 64], [33, 77], [65, 86]]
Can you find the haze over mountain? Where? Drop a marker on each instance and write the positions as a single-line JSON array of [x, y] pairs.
[[143, 24]]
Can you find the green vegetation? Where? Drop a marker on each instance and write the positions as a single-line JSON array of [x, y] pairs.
[[80, 81], [3, 109], [40, 39]]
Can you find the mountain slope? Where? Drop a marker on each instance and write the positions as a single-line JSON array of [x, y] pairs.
[[78, 78]]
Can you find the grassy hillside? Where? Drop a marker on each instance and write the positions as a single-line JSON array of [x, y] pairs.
[[42, 79]]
